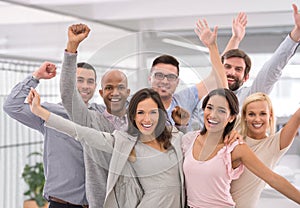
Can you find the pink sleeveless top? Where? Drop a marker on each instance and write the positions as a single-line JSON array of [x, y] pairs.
[[208, 182]]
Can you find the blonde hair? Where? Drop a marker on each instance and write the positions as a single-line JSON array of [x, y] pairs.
[[259, 96]]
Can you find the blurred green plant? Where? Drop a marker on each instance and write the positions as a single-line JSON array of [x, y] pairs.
[[33, 176]]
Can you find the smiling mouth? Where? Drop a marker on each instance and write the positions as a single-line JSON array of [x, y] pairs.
[[230, 80], [115, 99], [84, 93], [257, 125], [212, 122], [147, 125]]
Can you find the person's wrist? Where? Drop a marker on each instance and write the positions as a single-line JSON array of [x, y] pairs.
[[35, 77], [177, 124], [295, 34], [236, 38], [72, 47]]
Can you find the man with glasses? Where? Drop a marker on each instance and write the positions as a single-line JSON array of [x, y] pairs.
[[164, 80]]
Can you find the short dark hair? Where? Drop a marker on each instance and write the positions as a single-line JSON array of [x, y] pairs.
[[240, 54], [233, 106], [162, 132], [166, 59], [87, 66]]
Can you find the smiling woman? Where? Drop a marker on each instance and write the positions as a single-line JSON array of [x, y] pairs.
[[218, 164], [147, 158], [258, 127]]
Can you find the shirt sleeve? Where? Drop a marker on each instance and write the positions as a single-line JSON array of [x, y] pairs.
[[93, 138], [16, 107], [187, 99], [271, 71], [71, 99]]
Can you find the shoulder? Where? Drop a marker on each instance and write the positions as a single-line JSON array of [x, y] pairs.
[[97, 107], [186, 92], [188, 139]]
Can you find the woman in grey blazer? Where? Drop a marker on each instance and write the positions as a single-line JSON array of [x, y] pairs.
[[145, 169]]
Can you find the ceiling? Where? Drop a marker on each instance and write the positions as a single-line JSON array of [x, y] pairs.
[[120, 28]]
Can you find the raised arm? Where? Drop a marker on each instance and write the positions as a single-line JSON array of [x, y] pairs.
[[295, 33], [238, 31], [209, 39], [71, 98], [271, 71], [290, 130], [249, 159], [15, 105], [95, 139]]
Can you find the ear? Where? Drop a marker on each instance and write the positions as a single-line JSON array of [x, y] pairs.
[[231, 119], [101, 92], [149, 79], [128, 92], [246, 77], [178, 79]]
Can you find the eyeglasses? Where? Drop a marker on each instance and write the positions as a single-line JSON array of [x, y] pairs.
[[161, 76]]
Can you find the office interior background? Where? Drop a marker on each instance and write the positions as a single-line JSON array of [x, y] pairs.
[[129, 34]]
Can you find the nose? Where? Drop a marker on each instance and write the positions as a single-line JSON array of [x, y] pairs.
[[84, 85], [213, 114], [165, 80], [256, 118], [115, 91], [147, 117], [229, 71]]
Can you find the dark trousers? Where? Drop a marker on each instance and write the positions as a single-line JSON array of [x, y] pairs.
[[53, 204]]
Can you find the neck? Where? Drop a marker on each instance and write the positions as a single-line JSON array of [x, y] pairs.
[[208, 144], [257, 136], [147, 138], [118, 113], [213, 138], [166, 102]]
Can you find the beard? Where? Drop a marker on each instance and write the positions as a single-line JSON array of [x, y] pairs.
[[236, 84]]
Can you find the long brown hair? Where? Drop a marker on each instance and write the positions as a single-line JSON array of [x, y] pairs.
[[162, 132], [233, 107]]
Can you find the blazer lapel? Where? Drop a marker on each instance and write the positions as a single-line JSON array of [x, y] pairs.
[[123, 146]]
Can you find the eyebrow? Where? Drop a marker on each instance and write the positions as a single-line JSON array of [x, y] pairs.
[[219, 107]]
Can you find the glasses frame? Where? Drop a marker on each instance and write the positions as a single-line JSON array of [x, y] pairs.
[[161, 76]]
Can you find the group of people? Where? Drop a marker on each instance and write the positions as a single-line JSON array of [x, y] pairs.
[[141, 151]]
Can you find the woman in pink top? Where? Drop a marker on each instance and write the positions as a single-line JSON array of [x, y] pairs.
[[210, 165]]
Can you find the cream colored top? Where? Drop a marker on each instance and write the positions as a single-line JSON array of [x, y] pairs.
[[247, 189]]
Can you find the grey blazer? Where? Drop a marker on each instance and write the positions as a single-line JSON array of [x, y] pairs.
[[123, 189]]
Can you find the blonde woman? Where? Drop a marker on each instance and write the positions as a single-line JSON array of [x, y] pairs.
[[258, 126]]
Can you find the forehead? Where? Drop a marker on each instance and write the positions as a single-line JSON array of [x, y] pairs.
[[113, 78], [148, 103], [165, 68], [235, 61], [218, 101], [260, 105], [85, 73]]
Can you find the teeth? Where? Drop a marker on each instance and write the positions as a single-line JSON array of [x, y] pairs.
[[257, 125], [212, 122], [115, 100], [163, 87], [147, 125]]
